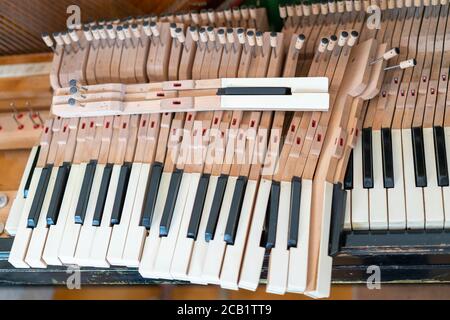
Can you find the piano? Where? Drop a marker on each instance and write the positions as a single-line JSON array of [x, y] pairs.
[[202, 147]]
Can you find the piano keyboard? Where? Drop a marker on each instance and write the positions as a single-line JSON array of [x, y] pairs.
[[205, 195]]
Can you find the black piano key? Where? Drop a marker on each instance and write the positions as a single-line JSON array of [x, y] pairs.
[[235, 210], [263, 241], [26, 188], [151, 195], [58, 194], [86, 186], [348, 179], [101, 198], [36, 206], [254, 91], [294, 214], [367, 158], [388, 161], [441, 157], [273, 218], [215, 207], [420, 170], [197, 209], [124, 177], [337, 219], [169, 207]]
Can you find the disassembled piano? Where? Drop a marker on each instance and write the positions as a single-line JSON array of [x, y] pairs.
[[203, 147]]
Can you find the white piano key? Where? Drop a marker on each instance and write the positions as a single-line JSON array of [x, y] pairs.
[[377, 195], [23, 234], [19, 202], [298, 257], [183, 250], [414, 199], [446, 190], [120, 231], [434, 209], [217, 246], [325, 262], [348, 211], [279, 255], [151, 246], [201, 246], [136, 233], [396, 195], [360, 196], [87, 232], [39, 236], [234, 254], [254, 253], [167, 244], [56, 232], [72, 230], [100, 244]]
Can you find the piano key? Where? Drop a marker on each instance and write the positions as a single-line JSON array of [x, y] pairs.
[[441, 156], [41, 190], [367, 158], [120, 230], [200, 245], [360, 195], [396, 195], [446, 190], [19, 202], [151, 246], [215, 208], [413, 195], [168, 243], [23, 235], [294, 216], [151, 194], [216, 246], [56, 232], [35, 156], [420, 170], [234, 254], [121, 192], [58, 194], [69, 239], [434, 210], [103, 232], [323, 277], [254, 252], [184, 244], [298, 256], [101, 198], [378, 217], [197, 210], [235, 210], [348, 212], [388, 166], [279, 255], [86, 186], [37, 242], [137, 233], [87, 232], [348, 179], [169, 207], [273, 216], [337, 219]]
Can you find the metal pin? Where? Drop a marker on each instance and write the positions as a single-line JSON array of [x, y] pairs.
[[260, 42], [403, 65], [75, 92], [16, 115], [387, 55], [298, 44], [273, 43], [74, 83], [32, 115], [222, 38]]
